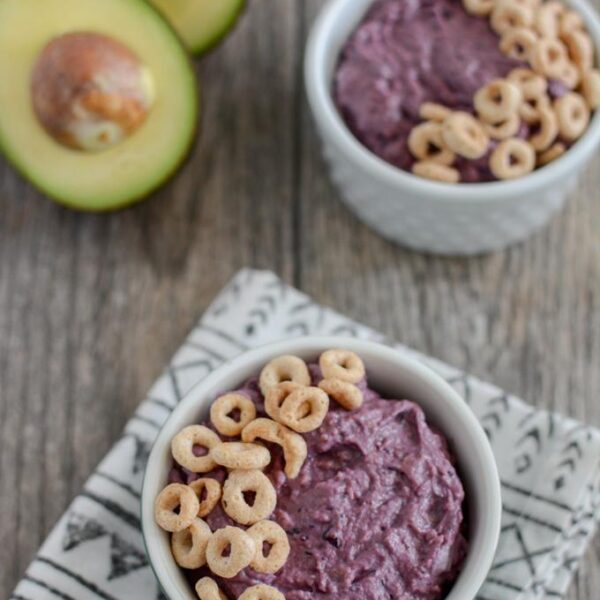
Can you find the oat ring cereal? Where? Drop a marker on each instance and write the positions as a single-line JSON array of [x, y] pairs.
[[549, 57], [222, 408], [229, 550], [235, 504], [531, 84], [518, 43], [573, 115], [182, 448], [208, 491], [554, 152], [176, 507], [547, 125], [547, 19], [512, 158], [431, 111], [189, 545], [343, 392], [530, 107], [283, 368], [498, 100], [480, 8], [276, 395], [207, 589], [343, 364], [293, 445], [277, 555], [505, 129], [425, 142], [590, 87], [435, 171], [508, 14], [570, 20], [464, 135], [240, 455], [304, 410], [581, 49], [261, 592]]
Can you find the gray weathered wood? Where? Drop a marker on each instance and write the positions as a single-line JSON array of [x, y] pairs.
[[91, 307]]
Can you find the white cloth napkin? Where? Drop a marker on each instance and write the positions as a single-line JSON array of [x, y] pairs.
[[549, 465]]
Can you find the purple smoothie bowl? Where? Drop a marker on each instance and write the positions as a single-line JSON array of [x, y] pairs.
[[434, 217], [392, 374]]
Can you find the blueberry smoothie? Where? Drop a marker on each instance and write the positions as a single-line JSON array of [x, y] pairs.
[[408, 52], [376, 511]]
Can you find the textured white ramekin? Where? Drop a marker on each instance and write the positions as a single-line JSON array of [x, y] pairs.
[[391, 373], [426, 215]]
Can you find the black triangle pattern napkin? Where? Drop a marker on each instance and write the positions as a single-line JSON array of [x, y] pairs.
[[549, 464]]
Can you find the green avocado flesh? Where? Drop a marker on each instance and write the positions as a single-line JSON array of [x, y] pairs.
[[201, 23], [129, 170]]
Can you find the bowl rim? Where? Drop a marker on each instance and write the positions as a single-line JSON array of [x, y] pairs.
[[333, 127], [487, 477]]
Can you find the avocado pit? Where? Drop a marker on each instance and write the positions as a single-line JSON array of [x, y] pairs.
[[89, 91]]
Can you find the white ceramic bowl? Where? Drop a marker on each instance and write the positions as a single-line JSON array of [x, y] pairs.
[[390, 373], [426, 215]]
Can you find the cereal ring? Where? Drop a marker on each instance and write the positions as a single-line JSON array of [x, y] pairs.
[[283, 368], [590, 88], [430, 111], [208, 491], [234, 503], [518, 43], [505, 129], [498, 100], [529, 109], [570, 75], [182, 448], [176, 496], [512, 158], [550, 58], [207, 589], [532, 4], [581, 49], [241, 551], [240, 455], [570, 20], [530, 83], [189, 546], [425, 142], [293, 445], [276, 395], [222, 408], [435, 171], [480, 8], [573, 115], [547, 19], [277, 555], [261, 592], [464, 135], [508, 14], [343, 392], [343, 364], [305, 409], [551, 154], [547, 125]]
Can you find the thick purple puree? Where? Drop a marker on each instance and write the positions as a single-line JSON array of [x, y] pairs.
[[405, 53], [376, 512]]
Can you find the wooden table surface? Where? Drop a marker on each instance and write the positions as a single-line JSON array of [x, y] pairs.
[[92, 307]]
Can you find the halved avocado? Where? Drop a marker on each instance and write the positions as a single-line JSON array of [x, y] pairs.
[[201, 23], [38, 48]]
